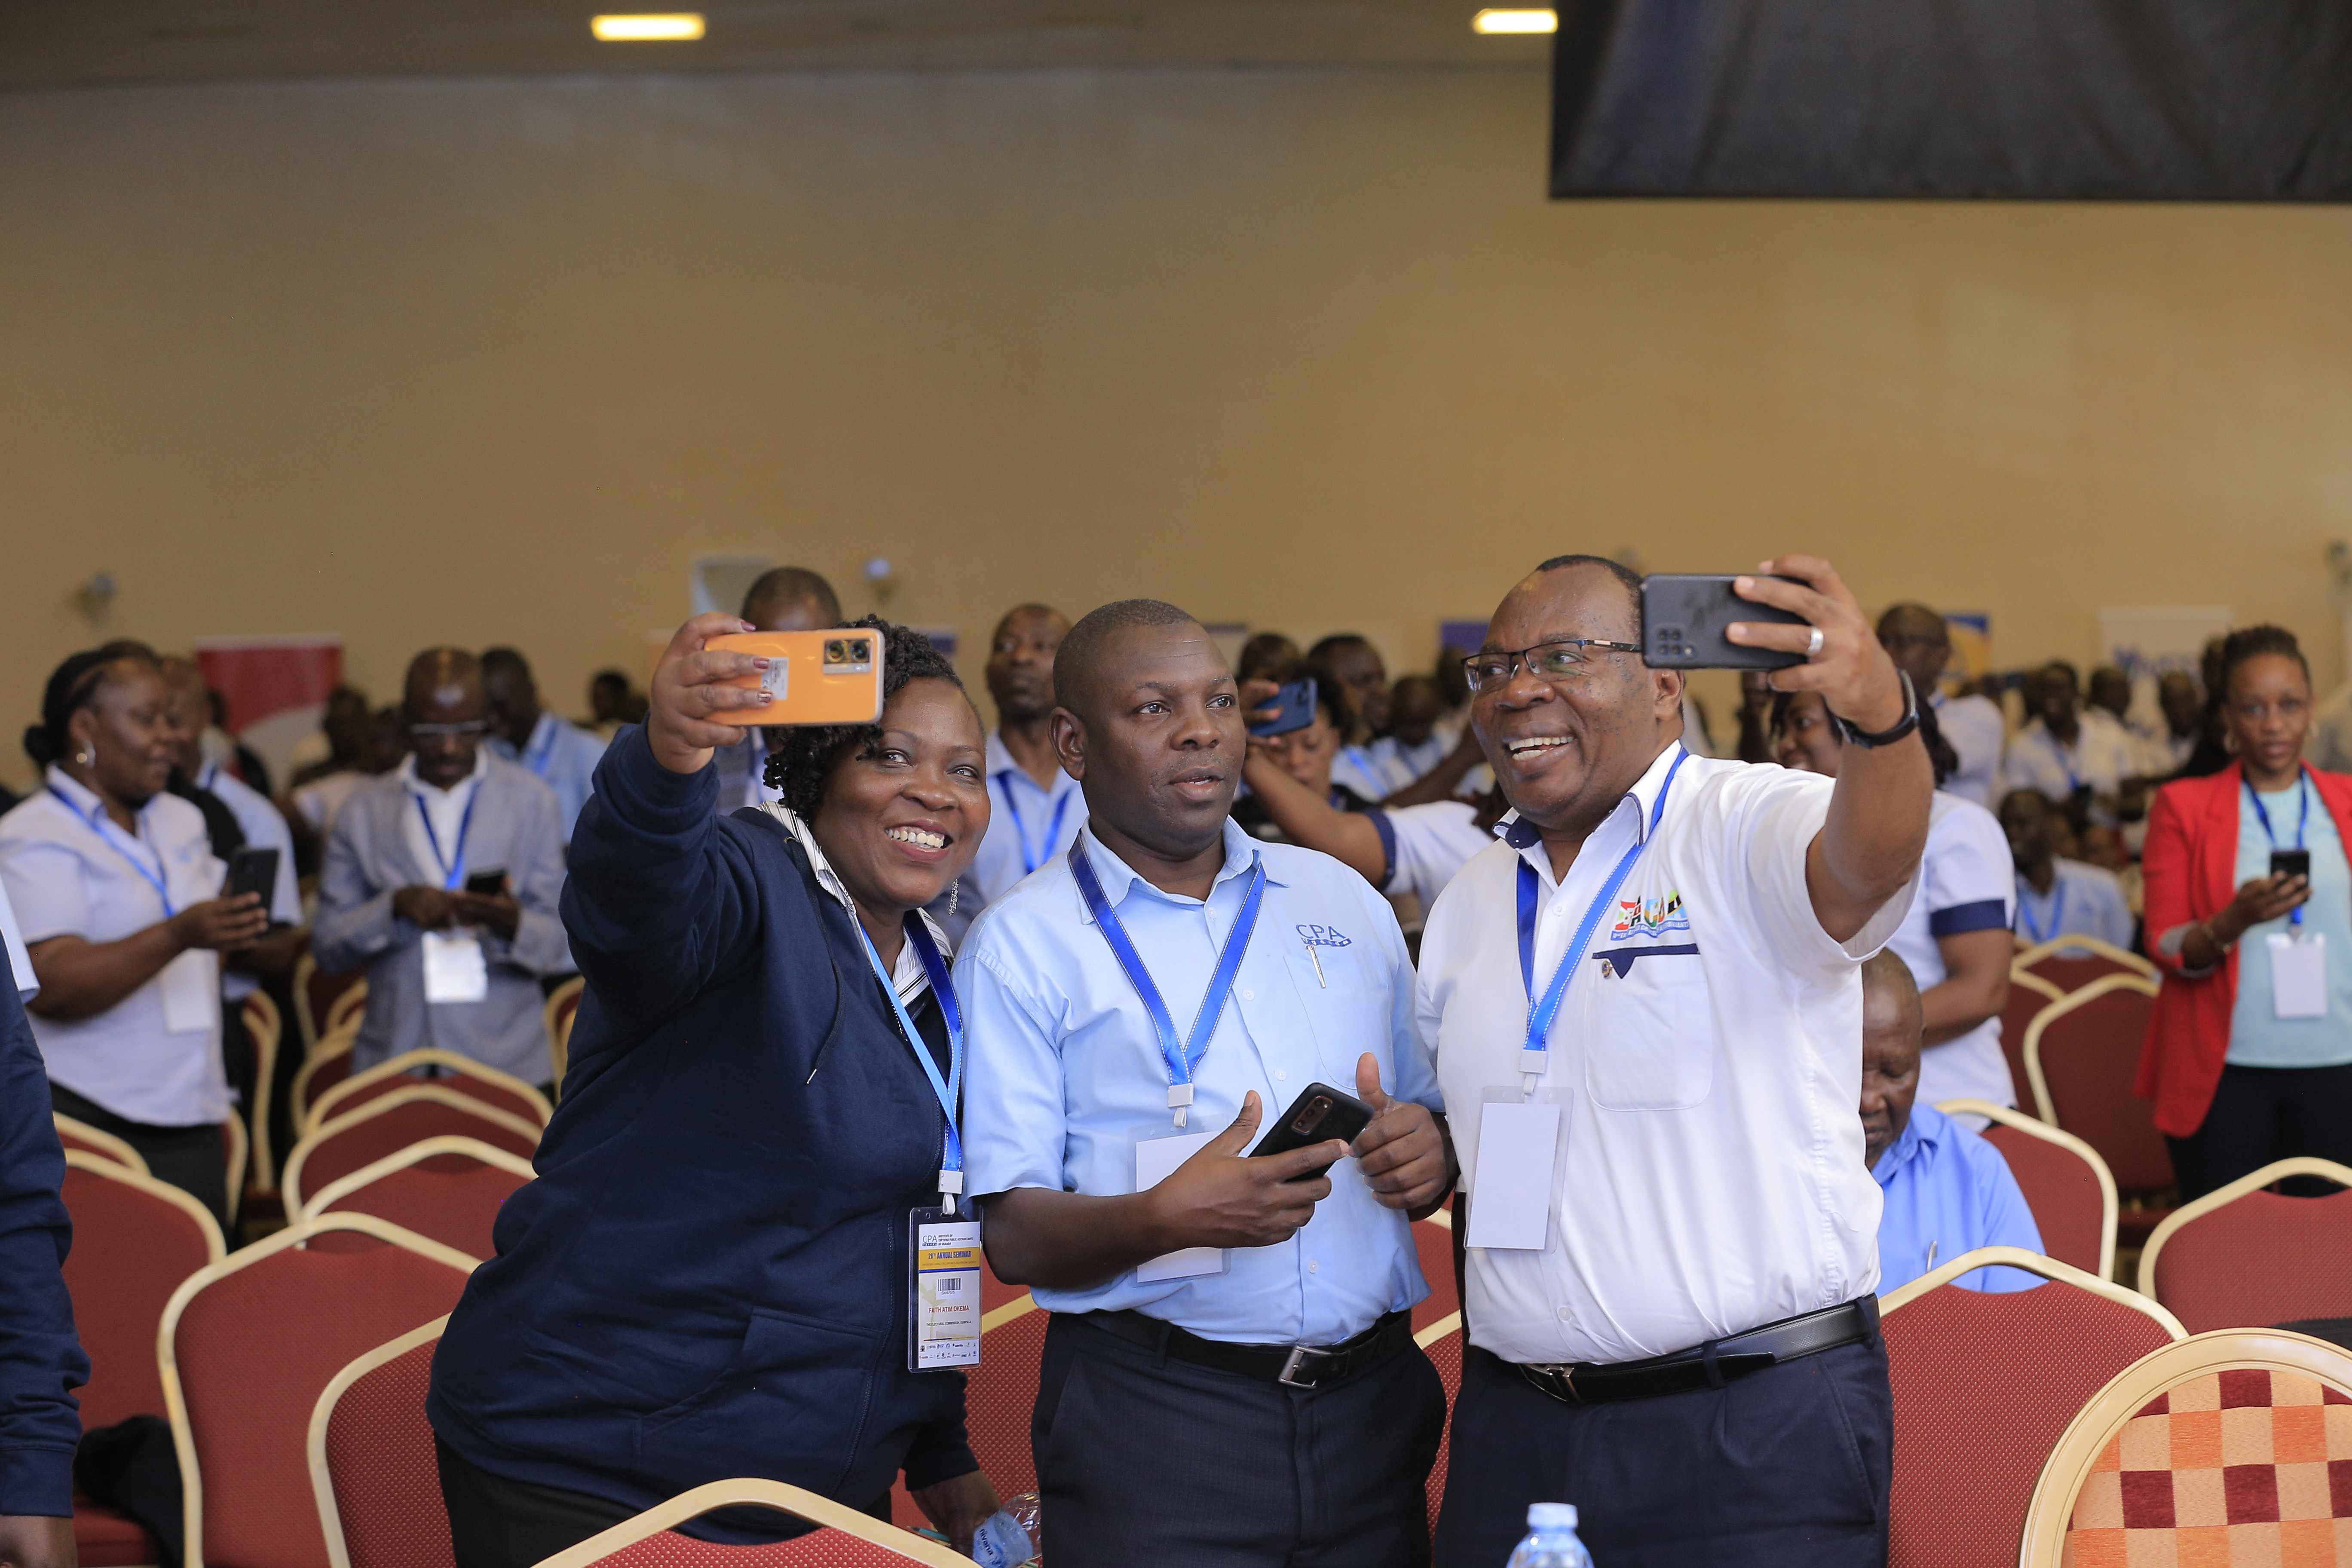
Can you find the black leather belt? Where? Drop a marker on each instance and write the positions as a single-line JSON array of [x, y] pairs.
[[1712, 1364], [1293, 1366]]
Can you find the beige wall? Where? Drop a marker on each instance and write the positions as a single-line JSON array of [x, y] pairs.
[[482, 360]]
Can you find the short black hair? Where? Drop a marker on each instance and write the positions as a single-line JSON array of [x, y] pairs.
[[1326, 647], [806, 754], [506, 659], [1075, 661], [791, 585], [1331, 693], [1627, 578], [2255, 642]]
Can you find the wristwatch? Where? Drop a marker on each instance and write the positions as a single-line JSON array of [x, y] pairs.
[[1887, 737]]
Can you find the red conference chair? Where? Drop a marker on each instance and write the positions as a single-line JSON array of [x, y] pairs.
[[2065, 1184], [1984, 1382], [450, 1189], [373, 1467], [1432, 1238], [328, 1064], [266, 1029], [2082, 1055], [462, 1073], [1443, 1342], [315, 995], [2224, 1449], [2243, 1257], [562, 1007], [390, 1123], [845, 1539], [2027, 994], [999, 1396], [81, 1135], [2071, 963], [247, 1345]]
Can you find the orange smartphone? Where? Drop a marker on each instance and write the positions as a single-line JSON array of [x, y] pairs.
[[832, 677]]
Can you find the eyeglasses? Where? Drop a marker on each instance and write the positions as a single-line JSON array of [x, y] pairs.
[[471, 728], [1559, 659]]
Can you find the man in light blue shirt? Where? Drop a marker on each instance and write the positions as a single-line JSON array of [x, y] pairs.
[[2057, 897], [1035, 808], [1947, 1190], [1230, 1377], [561, 753]]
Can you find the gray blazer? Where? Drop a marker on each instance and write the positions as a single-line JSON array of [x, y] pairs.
[[517, 824]]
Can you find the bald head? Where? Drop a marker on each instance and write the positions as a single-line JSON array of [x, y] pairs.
[[1078, 662], [792, 599], [1919, 641], [1892, 1022], [444, 709]]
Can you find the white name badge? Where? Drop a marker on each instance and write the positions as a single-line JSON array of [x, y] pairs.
[[1511, 1184], [2298, 975], [192, 998], [454, 970], [943, 1307], [1154, 1159]]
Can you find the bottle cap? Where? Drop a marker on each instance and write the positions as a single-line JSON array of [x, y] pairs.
[[1551, 1516]]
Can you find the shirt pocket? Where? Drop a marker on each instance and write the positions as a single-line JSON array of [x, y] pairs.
[[1347, 1006], [1649, 1032]]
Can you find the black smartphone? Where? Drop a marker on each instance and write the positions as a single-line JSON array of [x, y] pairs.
[[1294, 707], [487, 884], [2291, 863], [251, 869], [1683, 618], [1318, 1113]]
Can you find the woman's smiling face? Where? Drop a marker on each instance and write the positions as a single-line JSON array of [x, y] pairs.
[[901, 821]]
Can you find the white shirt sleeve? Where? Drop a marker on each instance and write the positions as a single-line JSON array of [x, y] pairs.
[[44, 882], [1772, 817], [1431, 843], [1969, 880], [20, 962]]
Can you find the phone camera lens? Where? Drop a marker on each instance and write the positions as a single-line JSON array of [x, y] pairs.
[[836, 651]]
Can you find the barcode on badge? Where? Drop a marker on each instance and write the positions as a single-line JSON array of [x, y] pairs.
[[952, 1286]]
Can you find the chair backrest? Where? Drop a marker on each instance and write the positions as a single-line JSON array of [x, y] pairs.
[[464, 1074], [373, 1466], [2224, 1449], [315, 995], [234, 1150], [2081, 1054], [348, 1007], [1442, 1341], [81, 1135], [2027, 994], [328, 1064], [1000, 1393], [1984, 1382], [447, 1188], [392, 1122], [847, 1538], [562, 1007], [266, 1028], [247, 1346], [134, 1239], [2065, 1184], [2073, 962], [2243, 1257]]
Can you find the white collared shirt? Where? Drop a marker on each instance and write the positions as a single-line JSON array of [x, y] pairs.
[[1709, 1059], [1024, 831], [1066, 1075], [69, 870], [440, 854], [2100, 757], [1973, 725]]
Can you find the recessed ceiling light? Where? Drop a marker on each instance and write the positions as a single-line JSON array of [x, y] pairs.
[[1500, 21], [675, 26]]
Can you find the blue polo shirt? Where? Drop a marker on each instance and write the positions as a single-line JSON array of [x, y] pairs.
[[565, 756], [1949, 1191]]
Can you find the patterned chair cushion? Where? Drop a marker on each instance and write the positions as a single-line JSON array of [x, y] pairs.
[[2231, 1470]]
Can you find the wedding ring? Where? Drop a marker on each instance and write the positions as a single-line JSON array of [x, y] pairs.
[[1813, 644]]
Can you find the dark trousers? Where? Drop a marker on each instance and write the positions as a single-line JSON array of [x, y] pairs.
[[1143, 1460], [2262, 1114], [192, 1159], [495, 1522], [1787, 1468]]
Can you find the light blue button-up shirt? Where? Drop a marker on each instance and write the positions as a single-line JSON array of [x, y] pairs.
[[1949, 1191], [1066, 1074], [565, 756]]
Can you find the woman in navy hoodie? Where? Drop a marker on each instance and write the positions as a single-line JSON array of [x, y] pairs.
[[709, 1276]]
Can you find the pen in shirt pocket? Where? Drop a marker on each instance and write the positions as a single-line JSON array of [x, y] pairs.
[[1317, 961]]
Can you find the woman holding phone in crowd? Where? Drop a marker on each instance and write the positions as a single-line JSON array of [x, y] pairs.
[[116, 889], [710, 1277], [2249, 1056]]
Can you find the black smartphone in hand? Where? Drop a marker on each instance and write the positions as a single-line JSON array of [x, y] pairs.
[[1683, 618], [487, 884], [251, 869], [1320, 1112], [2291, 863], [1293, 708]]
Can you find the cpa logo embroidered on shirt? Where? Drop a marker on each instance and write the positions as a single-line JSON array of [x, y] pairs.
[[1650, 918], [1322, 936]]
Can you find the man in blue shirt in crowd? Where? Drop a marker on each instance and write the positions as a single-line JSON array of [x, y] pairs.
[[2056, 896], [561, 753], [1230, 1378], [1948, 1191]]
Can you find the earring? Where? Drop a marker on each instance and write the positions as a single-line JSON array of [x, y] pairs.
[[81, 759]]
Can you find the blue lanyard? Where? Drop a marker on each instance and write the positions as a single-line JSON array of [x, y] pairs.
[[947, 1089], [1032, 859], [452, 872], [103, 825], [1535, 1053], [2303, 787], [1182, 1058], [2035, 932], [537, 759]]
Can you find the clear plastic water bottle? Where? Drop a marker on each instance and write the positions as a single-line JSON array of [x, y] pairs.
[[1010, 1537], [1551, 1539]]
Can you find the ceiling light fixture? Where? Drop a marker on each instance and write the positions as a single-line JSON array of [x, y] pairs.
[[678, 27], [1501, 21]]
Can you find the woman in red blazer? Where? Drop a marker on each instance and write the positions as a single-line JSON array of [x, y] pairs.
[[2249, 1054]]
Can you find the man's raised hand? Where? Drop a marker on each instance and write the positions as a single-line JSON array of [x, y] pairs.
[[1403, 1154]]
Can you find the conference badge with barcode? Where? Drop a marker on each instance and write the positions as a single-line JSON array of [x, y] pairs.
[[943, 1290]]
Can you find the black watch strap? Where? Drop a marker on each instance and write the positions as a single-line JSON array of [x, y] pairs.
[[1897, 731]]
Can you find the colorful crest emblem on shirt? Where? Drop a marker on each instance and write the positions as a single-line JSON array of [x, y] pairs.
[[1650, 918]]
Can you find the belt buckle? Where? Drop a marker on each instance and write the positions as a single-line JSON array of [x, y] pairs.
[[1291, 1365]]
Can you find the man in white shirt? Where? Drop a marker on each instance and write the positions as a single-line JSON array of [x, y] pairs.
[[1671, 1232], [1920, 642], [2067, 753], [563, 754], [1035, 808]]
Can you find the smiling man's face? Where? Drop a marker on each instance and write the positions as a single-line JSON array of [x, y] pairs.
[[1566, 750]]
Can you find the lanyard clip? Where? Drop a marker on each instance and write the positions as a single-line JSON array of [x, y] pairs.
[[1534, 1064], [950, 1185], [1180, 1096]]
